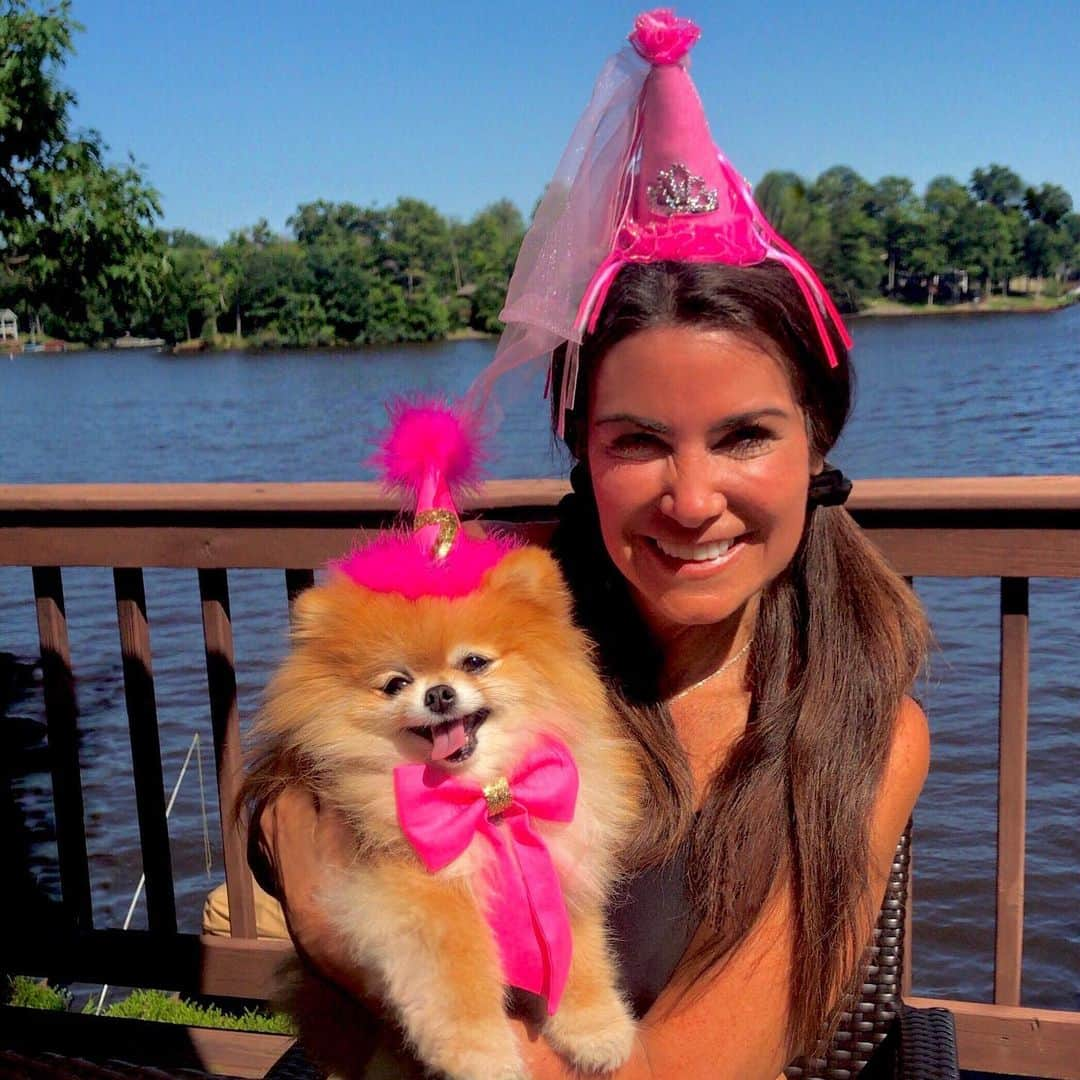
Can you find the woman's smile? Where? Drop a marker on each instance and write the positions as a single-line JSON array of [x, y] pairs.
[[695, 558]]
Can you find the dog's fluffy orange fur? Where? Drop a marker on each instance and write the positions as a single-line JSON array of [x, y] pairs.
[[347, 706]]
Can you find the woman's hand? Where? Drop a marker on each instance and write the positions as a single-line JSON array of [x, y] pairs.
[[302, 840]]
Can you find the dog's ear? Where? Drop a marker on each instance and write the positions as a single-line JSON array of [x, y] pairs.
[[307, 610], [331, 607], [534, 575]]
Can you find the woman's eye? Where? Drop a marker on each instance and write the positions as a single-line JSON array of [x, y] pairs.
[[637, 444], [396, 684], [474, 663], [747, 440]]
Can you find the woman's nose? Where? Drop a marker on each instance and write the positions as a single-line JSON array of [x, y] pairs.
[[694, 493]]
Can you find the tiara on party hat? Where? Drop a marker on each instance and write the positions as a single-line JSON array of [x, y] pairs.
[[430, 455], [640, 181]]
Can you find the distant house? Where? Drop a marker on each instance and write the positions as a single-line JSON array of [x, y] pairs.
[[9, 325]]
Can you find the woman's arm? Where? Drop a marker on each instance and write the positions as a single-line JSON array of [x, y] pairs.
[[734, 1026], [301, 841]]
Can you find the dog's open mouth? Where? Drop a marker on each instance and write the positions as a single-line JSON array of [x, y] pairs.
[[453, 740]]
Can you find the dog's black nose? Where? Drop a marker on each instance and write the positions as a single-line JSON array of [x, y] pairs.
[[439, 698]]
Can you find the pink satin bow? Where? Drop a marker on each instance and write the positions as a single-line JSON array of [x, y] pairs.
[[440, 814]]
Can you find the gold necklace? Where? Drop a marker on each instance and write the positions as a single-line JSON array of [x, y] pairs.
[[708, 678]]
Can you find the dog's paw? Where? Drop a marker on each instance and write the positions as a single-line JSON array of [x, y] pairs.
[[597, 1038], [479, 1059], [484, 1067]]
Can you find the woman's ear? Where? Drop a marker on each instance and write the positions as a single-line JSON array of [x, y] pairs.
[[580, 480]]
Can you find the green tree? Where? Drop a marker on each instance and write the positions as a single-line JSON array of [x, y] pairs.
[[852, 264], [344, 246], [1048, 203], [784, 198], [33, 105], [1070, 232], [270, 271], [775, 193], [344, 278], [426, 317], [484, 252], [997, 185], [947, 202], [323, 222], [901, 220], [385, 314], [300, 320], [418, 247], [241, 246], [77, 236], [945, 243], [181, 314], [1040, 250], [985, 242]]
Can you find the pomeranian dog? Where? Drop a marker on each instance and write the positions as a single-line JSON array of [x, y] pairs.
[[464, 688]]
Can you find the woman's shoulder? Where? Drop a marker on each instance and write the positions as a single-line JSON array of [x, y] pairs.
[[909, 754], [905, 773]]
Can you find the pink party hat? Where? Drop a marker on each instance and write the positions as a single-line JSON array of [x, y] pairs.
[[430, 455], [641, 181]]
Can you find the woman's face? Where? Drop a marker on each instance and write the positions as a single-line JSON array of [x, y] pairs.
[[700, 463]]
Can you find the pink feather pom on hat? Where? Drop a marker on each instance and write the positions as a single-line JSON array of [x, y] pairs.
[[429, 454], [641, 180]]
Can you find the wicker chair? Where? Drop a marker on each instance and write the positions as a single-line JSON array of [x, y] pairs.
[[879, 1036]]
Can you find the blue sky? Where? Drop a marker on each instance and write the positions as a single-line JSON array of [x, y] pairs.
[[239, 110]]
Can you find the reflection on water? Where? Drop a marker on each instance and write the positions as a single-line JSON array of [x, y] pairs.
[[988, 396]]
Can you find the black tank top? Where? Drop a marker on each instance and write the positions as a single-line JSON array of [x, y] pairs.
[[651, 924]]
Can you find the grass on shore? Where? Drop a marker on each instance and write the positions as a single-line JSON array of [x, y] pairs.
[[156, 1005]]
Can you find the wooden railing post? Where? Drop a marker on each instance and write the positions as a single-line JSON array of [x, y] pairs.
[[225, 716], [61, 717], [1012, 788], [145, 748], [296, 581]]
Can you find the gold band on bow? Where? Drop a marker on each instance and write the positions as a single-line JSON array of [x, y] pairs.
[[448, 530], [498, 797]]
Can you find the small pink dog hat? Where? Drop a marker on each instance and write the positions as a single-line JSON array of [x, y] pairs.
[[429, 454], [640, 181]]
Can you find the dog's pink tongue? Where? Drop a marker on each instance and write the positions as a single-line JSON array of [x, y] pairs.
[[447, 739]]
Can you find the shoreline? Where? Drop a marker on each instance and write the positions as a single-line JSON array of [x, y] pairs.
[[894, 309], [884, 309], [201, 345], [876, 309]]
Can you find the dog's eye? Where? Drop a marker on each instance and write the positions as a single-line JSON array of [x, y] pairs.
[[474, 663], [396, 684]]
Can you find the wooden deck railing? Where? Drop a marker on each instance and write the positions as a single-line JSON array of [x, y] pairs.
[[1011, 528]]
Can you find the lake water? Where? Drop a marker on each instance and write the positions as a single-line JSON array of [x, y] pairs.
[[936, 397]]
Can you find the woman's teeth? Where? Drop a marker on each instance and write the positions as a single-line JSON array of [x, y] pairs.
[[694, 552]]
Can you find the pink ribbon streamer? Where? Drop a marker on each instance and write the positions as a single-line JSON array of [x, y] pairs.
[[440, 814]]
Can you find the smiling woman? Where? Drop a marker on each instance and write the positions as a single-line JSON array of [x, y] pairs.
[[756, 643]]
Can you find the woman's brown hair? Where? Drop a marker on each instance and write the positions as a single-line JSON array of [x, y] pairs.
[[838, 640]]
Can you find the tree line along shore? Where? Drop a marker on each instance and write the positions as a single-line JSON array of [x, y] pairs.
[[83, 257]]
